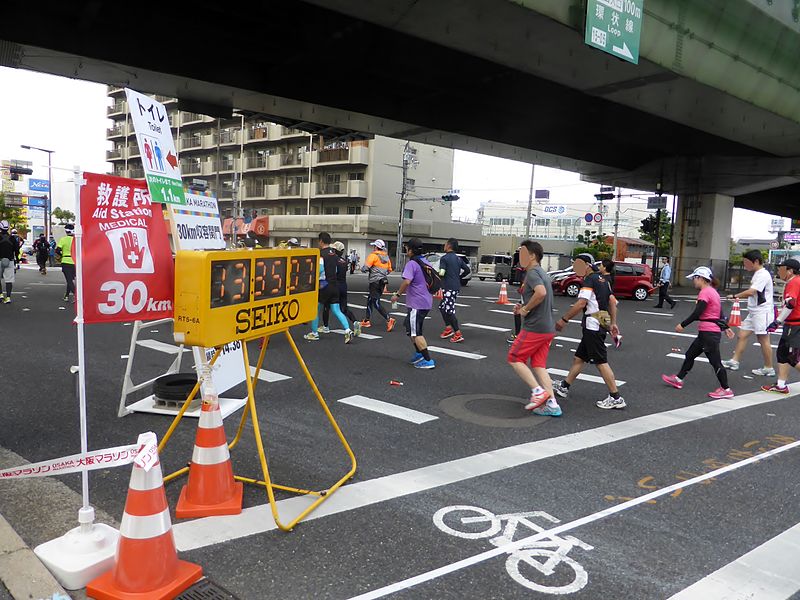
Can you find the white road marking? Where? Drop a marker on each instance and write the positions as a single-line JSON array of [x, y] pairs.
[[389, 302], [462, 305], [452, 352], [268, 376], [487, 327], [356, 306], [573, 340], [160, 346], [512, 547], [644, 312], [471, 297], [208, 531], [502, 312], [768, 571], [683, 357], [393, 410], [366, 336], [399, 314], [123, 356], [673, 333], [583, 376]]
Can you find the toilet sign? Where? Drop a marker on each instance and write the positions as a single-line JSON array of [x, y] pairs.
[[159, 157]]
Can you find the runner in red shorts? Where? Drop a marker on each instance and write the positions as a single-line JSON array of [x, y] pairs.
[[538, 330]]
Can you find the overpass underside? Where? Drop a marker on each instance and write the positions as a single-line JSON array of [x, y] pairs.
[[705, 110]]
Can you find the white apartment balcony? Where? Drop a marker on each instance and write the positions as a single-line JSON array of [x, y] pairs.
[[255, 190], [348, 189], [209, 141], [117, 108], [288, 132], [258, 134], [116, 91], [192, 167], [136, 172], [293, 161], [115, 154], [188, 118], [116, 131], [193, 142], [133, 151], [289, 190], [227, 165], [229, 137]]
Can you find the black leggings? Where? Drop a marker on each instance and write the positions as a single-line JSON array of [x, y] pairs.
[[706, 342], [326, 312]]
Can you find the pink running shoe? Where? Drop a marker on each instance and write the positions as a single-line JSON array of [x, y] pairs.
[[673, 381], [721, 394]]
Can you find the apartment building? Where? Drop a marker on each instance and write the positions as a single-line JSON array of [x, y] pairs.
[[305, 183]]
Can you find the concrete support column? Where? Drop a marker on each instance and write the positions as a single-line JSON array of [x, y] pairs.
[[702, 235]]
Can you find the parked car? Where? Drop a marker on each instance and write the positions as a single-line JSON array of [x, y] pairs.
[[495, 266], [434, 257], [629, 281]]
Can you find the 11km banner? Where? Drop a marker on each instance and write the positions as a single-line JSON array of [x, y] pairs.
[[128, 273]]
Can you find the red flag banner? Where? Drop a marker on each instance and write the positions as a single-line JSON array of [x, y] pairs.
[[128, 272]]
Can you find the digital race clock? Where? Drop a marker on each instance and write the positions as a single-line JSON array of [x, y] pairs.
[[222, 296]]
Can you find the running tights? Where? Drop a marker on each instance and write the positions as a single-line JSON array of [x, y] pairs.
[[706, 342], [337, 312]]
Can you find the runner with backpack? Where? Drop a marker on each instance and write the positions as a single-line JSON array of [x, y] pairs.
[[420, 281]]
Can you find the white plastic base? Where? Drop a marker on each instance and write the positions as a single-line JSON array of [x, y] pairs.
[[227, 406], [78, 557]]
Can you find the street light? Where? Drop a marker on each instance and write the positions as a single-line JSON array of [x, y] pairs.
[[49, 185]]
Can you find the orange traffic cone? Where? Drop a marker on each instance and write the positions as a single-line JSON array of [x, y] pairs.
[[735, 319], [147, 565], [503, 299], [439, 295], [211, 489]]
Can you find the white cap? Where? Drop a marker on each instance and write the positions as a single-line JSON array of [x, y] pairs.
[[338, 246], [4, 225], [703, 272], [292, 242], [379, 244]]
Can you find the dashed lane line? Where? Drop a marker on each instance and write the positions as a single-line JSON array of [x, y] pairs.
[[208, 531], [487, 327], [767, 571], [672, 333], [583, 376], [450, 351], [366, 336], [571, 340], [683, 357], [502, 312], [645, 312], [386, 408]]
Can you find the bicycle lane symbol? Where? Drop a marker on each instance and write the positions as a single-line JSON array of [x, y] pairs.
[[538, 560]]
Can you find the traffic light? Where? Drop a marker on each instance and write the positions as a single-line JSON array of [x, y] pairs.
[[17, 171], [649, 226], [450, 197], [604, 196]]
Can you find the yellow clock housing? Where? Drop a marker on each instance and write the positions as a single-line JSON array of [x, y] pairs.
[[227, 295]]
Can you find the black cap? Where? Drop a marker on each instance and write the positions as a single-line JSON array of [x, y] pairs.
[[415, 245], [585, 257], [792, 264]]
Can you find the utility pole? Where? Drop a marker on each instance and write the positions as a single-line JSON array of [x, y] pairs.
[[408, 160], [655, 250], [616, 224], [530, 207]]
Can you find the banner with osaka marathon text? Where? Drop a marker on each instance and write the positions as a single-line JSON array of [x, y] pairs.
[[128, 271]]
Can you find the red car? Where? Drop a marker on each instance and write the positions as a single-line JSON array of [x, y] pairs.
[[629, 280]]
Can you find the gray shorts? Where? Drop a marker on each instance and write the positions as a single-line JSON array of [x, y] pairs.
[[7, 270]]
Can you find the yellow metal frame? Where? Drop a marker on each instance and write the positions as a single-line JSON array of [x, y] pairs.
[[250, 408]]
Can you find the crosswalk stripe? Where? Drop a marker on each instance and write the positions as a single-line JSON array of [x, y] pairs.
[[160, 346], [672, 333], [452, 352], [645, 312], [767, 571], [386, 408], [561, 338], [399, 314], [208, 531], [268, 376], [583, 376], [683, 356], [502, 312], [356, 306], [487, 327], [773, 346], [366, 336]]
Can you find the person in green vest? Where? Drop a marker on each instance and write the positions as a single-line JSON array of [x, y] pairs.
[[64, 250]]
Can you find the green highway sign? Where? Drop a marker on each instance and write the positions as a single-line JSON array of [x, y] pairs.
[[615, 27]]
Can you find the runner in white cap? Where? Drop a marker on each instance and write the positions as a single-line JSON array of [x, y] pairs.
[[378, 266], [711, 324]]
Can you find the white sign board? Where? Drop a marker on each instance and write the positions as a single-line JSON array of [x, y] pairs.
[[157, 148], [196, 224], [228, 371]]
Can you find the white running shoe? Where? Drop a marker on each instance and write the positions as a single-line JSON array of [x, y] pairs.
[[731, 365], [610, 402], [766, 371]]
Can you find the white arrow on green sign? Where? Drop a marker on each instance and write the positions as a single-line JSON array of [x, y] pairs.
[[615, 27]]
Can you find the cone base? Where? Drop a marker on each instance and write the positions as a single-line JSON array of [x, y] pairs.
[[186, 510], [104, 587]]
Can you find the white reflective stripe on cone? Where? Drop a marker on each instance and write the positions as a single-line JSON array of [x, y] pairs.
[[143, 481], [144, 528], [210, 419], [210, 456]]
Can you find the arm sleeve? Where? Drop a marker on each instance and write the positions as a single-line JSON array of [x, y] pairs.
[[695, 316]]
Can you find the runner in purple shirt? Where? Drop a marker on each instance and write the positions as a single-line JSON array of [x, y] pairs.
[[419, 302]]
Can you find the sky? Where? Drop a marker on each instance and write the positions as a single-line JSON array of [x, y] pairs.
[[74, 126]]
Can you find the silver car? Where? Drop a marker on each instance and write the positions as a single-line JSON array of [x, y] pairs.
[[434, 257]]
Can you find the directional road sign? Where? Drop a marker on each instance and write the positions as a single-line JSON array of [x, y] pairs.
[[615, 26]]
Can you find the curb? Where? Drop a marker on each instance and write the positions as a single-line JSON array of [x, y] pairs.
[[21, 571]]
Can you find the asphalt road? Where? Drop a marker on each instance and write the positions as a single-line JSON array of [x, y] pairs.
[[475, 455]]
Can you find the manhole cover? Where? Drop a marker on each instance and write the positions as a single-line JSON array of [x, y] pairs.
[[491, 410], [205, 589]]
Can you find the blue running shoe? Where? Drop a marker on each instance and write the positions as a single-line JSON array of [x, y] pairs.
[[416, 358], [547, 411], [424, 364]]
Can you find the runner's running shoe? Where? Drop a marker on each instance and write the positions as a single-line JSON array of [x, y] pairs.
[[510, 339], [766, 371], [720, 394], [365, 324], [356, 328], [323, 329], [424, 364], [731, 365], [610, 402], [673, 381], [537, 400], [348, 336], [457, 338], [389, 324], [775, 388], [311, 337], [7, 300], [448, 331], [547, 411], [560, 389], [416, 358]]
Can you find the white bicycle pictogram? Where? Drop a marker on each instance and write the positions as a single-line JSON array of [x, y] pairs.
[[544, 556]]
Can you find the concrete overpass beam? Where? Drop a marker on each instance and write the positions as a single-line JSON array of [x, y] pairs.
[[702, 234]]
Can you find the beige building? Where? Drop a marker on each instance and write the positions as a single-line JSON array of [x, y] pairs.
[[305, 183]]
